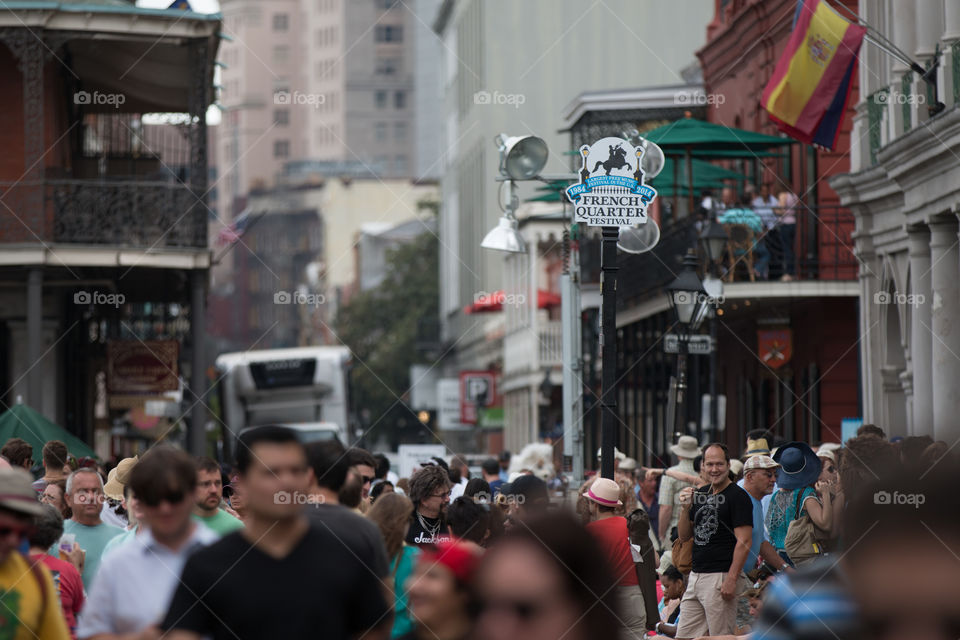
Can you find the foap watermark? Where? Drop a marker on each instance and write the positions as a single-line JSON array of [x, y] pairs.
[[687, 297], [887, 97], [912, 299], [99, 298], [497, 98], [299, 98], [98, 98], [297, 497], [699, 99], [500, 298], [299, 297], [709, 498], [897, 498]]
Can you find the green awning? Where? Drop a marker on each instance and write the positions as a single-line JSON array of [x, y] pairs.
[[705, 176], [699, 135], [20, 421]]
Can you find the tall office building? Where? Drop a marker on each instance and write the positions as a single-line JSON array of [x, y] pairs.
[[318, 80]]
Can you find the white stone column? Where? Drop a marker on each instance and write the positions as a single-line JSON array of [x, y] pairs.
[[904, 30], [951, 33], [929, 25], [921, 349], [945, 323], [951, 23]]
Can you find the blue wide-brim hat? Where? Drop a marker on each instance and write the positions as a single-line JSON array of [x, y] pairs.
[[799, 465]]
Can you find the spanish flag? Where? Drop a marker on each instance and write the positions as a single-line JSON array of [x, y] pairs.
[[807, 94]]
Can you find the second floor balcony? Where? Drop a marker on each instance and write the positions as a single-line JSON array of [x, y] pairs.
[[106, 140], [822, 256]]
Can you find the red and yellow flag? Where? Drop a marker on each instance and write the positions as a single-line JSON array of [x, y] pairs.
[[812, 70]]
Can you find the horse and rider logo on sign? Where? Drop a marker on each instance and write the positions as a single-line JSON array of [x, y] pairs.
[[612, 193]]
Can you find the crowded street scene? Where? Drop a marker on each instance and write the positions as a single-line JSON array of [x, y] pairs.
[[480, 319]]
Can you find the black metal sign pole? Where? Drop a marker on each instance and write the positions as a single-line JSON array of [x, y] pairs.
[[608, 345]]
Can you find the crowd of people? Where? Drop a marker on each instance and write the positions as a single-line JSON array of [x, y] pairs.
[[772, 221], [299, 540]]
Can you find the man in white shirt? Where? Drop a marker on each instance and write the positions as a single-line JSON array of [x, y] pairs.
[[133, 589]]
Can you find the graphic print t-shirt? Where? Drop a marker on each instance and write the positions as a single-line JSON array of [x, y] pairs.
[[714, 517], [419, 536]]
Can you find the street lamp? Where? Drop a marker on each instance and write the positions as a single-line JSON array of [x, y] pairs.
[[521, 158], [687, 295], [687, 298], [713, 239]]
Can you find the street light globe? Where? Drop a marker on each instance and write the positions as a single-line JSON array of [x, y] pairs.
[[653, 159], [505, 237], [522, 157]]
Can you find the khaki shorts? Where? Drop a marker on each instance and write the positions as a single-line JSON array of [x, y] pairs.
[[632, 611], [703, 611]]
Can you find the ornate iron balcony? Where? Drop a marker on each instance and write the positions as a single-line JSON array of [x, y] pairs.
[[128, 213]]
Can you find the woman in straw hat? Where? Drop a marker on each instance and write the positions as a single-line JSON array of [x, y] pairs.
[[612, 532]]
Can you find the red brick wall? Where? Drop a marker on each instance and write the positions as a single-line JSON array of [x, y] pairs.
[[831, 346], [27, 225]]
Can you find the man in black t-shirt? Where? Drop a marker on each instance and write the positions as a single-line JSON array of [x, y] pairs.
[[357, 535], [719, 518], [430, 494], [279, 577]]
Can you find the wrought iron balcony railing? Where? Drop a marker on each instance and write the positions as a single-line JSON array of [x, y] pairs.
[[120, 212]]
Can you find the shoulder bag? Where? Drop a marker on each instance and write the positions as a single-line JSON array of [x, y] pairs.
[[803, 541]]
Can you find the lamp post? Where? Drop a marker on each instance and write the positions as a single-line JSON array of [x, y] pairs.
[[687, 298], [713, 240], [521, 158]]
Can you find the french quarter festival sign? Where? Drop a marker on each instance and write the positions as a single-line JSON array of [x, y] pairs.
[[611, 192]]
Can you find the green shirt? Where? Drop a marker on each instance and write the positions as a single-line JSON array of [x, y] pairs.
[[403, 565], [220, 523], [129, 534], [93, 540]]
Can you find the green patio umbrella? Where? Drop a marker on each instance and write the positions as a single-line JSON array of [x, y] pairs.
[[20, 421], [688, 136], [705, 176]]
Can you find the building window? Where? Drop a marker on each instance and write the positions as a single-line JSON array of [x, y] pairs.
[[386, 4], [380, 132], [400, 100], [389, 33], [380, 98], [281, 54], [400, 164], [400, 131], [281, 117], [387, 66], [281, 149], [281, 22]]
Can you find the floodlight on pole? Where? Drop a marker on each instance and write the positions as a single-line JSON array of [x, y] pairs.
[[521, 157], [506, 235]]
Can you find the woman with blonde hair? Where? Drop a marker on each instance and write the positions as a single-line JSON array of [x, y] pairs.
[[391, 513]]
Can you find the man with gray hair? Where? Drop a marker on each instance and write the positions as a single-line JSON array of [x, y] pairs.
[[85, 497]]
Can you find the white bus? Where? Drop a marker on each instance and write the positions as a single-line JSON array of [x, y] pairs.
[[304, 388]]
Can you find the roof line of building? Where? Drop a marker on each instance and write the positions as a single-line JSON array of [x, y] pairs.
[[69, 7]]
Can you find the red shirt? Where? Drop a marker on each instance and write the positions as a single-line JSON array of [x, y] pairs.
[[611, 533], [69, 585]]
